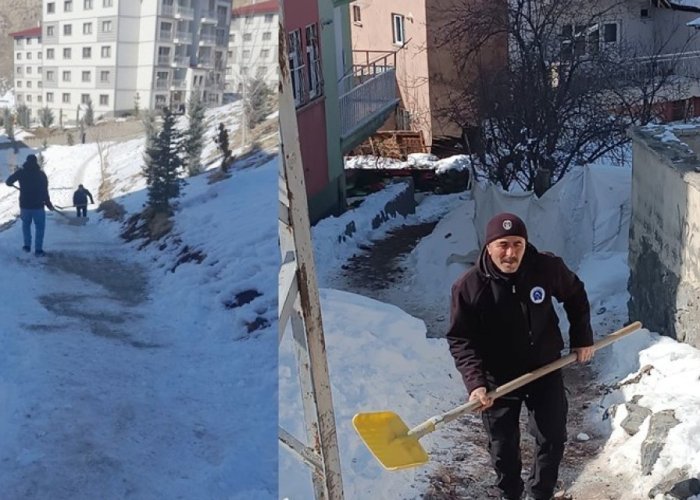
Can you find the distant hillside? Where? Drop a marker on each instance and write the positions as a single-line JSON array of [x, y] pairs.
[[15, 15]]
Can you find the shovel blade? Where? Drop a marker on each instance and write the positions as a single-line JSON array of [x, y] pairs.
[[386, 437]]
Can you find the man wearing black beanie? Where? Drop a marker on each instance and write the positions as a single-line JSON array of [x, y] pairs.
[[503, 325]]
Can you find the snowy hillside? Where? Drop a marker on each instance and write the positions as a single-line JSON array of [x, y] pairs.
[[144, 372]]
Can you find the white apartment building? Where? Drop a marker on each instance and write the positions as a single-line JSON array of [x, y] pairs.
[[252, 50], [27, 57], [113, 52]]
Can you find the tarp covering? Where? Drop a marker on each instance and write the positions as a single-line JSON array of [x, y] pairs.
[[588, 210]]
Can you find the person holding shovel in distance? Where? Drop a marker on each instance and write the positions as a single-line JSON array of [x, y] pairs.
[[33, 196], [503, 325]]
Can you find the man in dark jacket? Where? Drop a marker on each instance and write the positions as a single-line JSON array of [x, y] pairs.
[[80, 199], [33, 196], [503, 325]]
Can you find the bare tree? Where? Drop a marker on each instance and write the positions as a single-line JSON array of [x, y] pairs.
[[565, 94]]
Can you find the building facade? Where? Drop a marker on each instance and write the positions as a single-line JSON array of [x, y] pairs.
[[27, 61], [252, 50], [117, 54]]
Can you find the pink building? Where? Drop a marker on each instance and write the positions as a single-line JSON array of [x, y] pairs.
[[425, 69]]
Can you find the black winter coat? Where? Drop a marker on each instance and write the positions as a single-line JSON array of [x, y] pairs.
[[502, 328], [33, 187], [80, 197]]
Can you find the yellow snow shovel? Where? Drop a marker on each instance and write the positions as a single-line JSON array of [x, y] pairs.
[[396, 446]]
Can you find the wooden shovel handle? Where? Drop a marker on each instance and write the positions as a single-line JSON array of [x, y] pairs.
[[431, 424]]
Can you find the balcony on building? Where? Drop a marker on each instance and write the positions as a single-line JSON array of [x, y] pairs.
[[209, 17], [164, 60], [180, 60], [183, 37], [207, 39], [182, 12], [162, 84], [178, 84], [165, 36], [367, 96]]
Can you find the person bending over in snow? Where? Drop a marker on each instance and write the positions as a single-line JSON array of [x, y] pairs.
[[503, 325], [80, 198], [33, 196]]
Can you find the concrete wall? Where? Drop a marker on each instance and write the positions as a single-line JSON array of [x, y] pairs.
[[664, 251]]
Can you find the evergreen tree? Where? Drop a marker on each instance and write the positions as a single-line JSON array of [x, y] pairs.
[[137, 105], [222, 141], [89, 116], [9, 122], [163, 165], [23, 115], [69, 138], [257, 103], [46, 117], [194, 137]]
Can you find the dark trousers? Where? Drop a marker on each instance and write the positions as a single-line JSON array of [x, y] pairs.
[[81, 210], [546, 403]]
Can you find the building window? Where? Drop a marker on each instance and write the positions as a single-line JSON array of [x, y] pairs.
[[49, 97], [356, 14], [267, 36], [87, 52], [51, 8], [106, 26], [38, 69], [29, 84], [87, 28], [38, 98], [264, 54], [49, 76], [86, 76], [19, 84], [249, 19], [19, 70], [580, 40], [38, 55], [247, 37], [39, 84], [296, 67], [244, 70], [104, 76], [66, 98], [29, 55], [68, 6], [260, 72], [50, 31], [19, 56], [269, 18], [397, 28], [313, 61], [66, 76], [106, 3], [84, 98], [29, 70], [67, 29], [66, 53], [87, 4], [29, 97], [49, 53], [106, 51], [104, 100], [246, 54]]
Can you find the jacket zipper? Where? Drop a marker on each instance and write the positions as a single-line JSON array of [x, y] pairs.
[[527, 318]]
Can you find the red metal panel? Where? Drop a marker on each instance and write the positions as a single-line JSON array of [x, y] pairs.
[[314, 150]]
